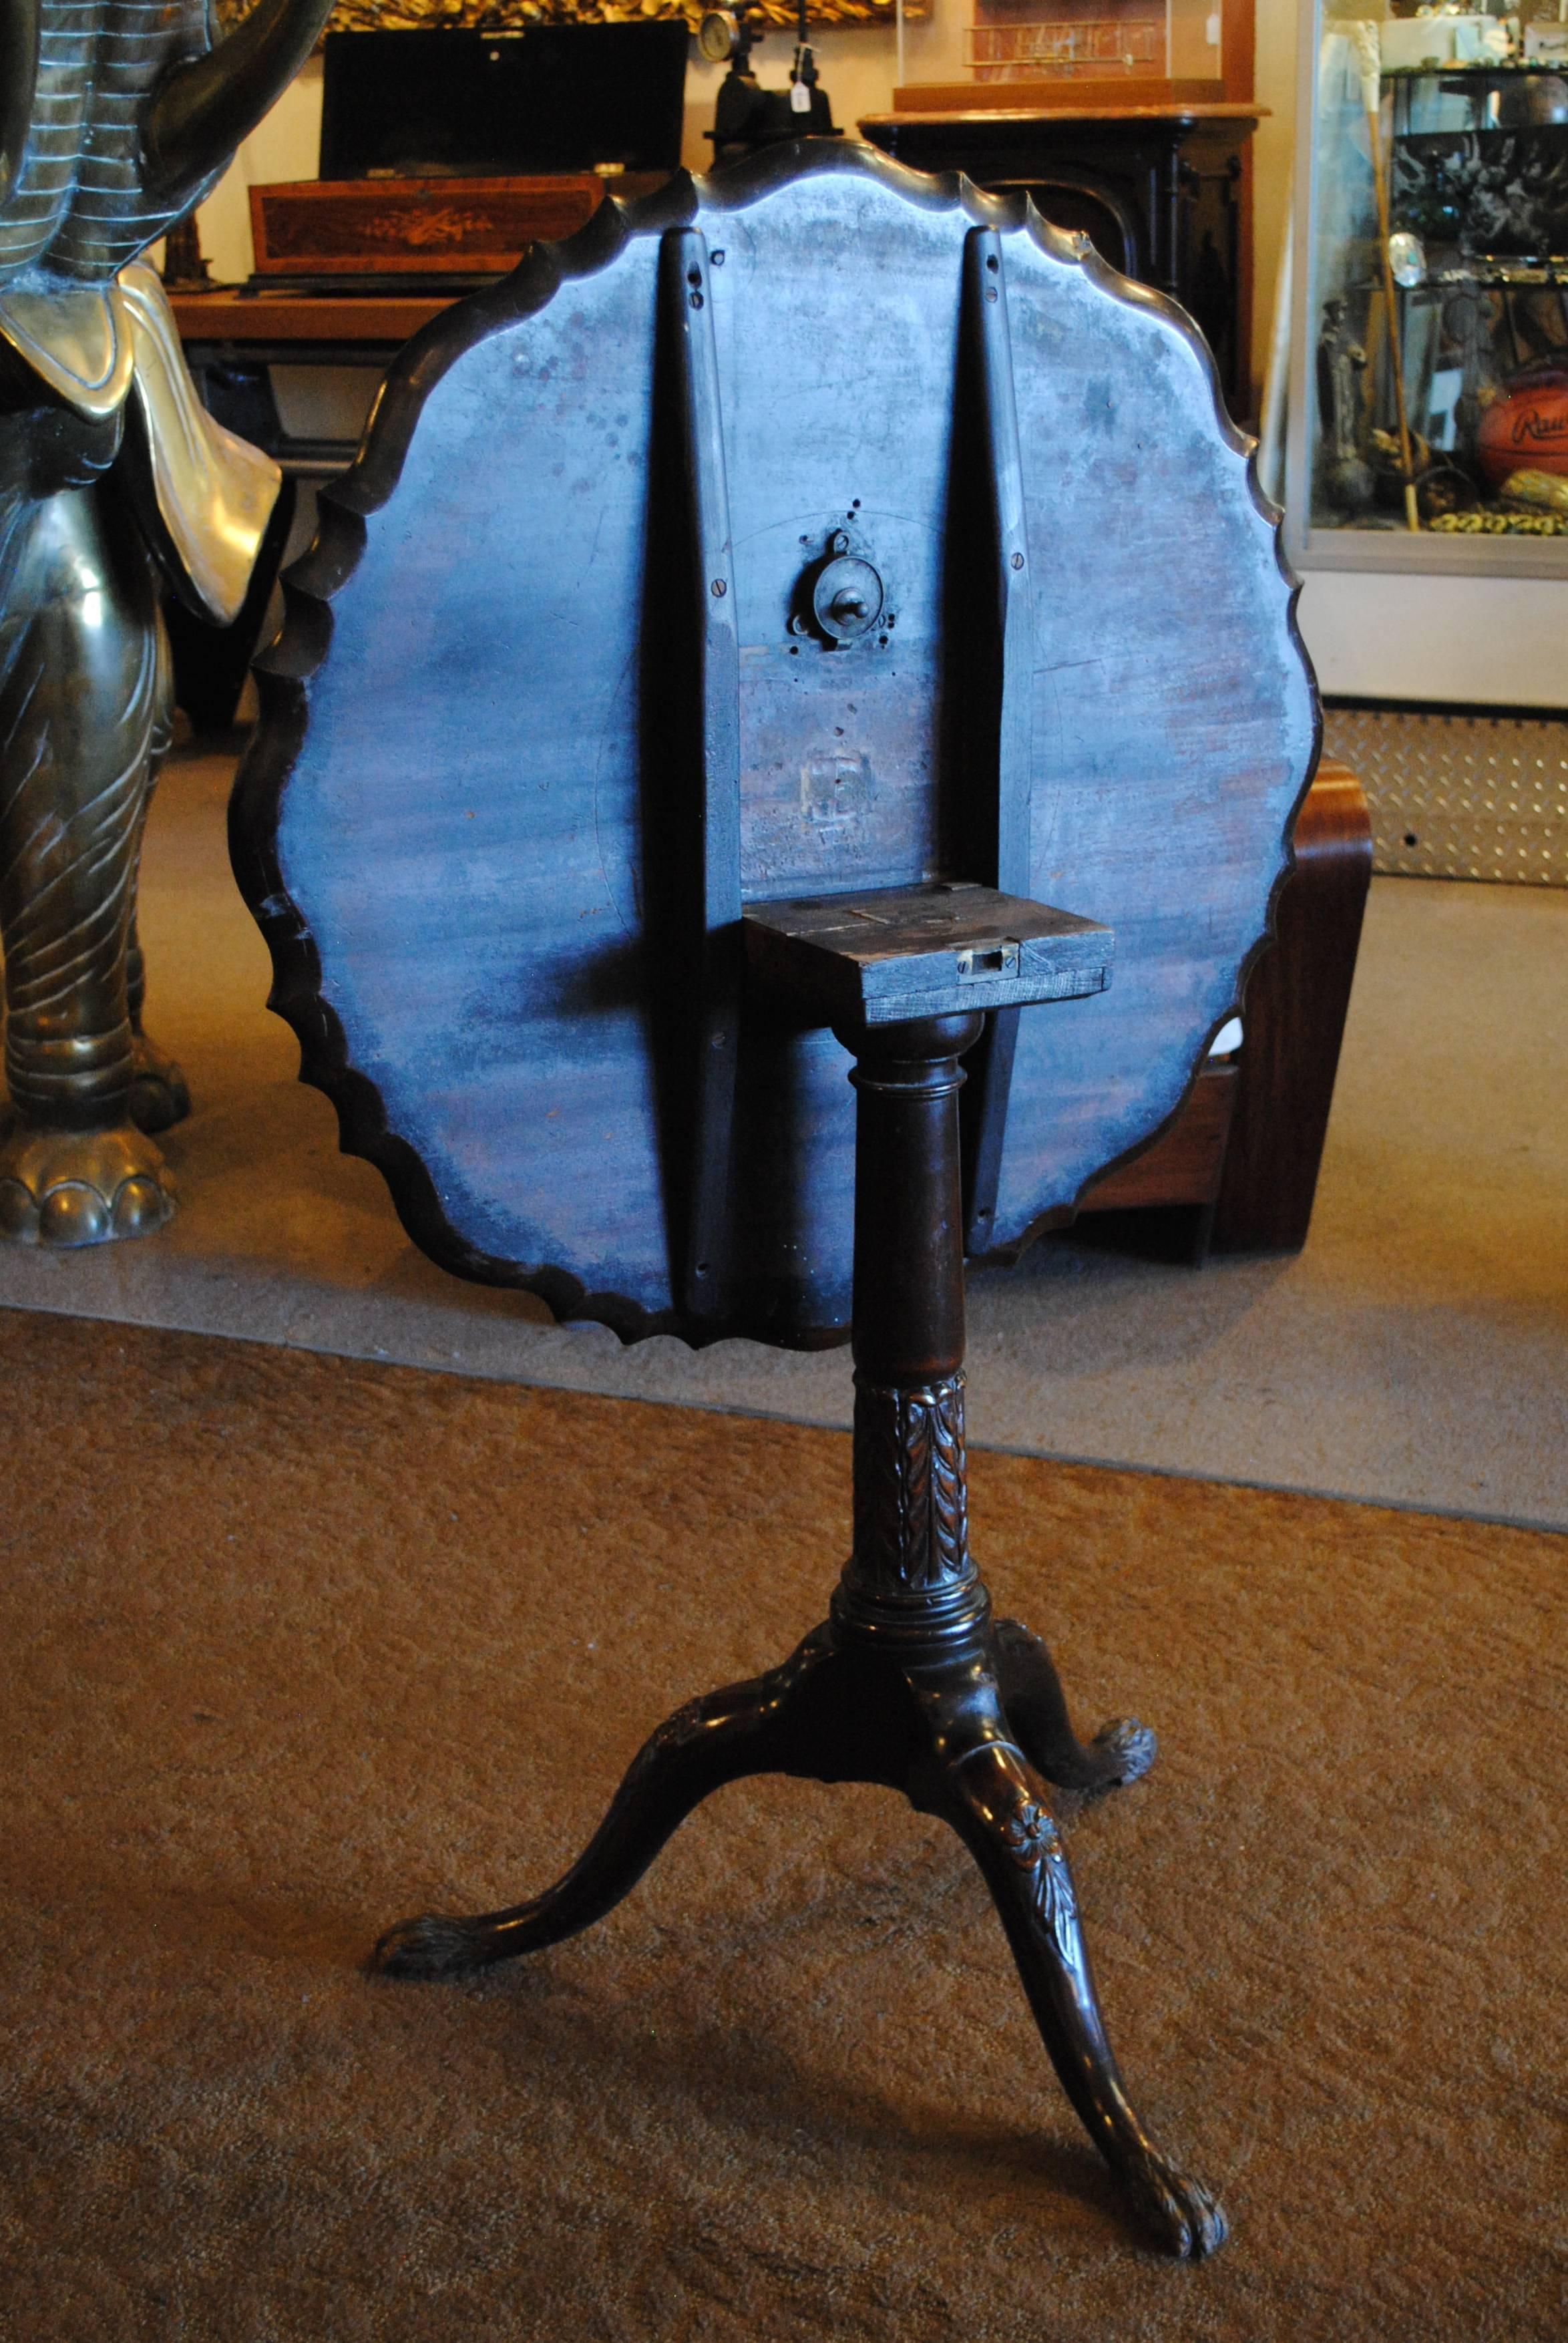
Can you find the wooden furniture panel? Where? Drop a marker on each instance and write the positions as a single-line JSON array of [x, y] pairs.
[[1186, 1163], [1244, 1152], [1298, 994], [380, 322], [367, 227]]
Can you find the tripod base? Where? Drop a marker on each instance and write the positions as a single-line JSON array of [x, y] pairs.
[[972, 1729]]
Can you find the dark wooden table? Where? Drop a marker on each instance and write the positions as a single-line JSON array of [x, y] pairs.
[[780, 765], [1236, 1171]]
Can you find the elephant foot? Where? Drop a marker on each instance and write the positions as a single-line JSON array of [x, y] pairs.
[[160, 1095], [66, 1188]]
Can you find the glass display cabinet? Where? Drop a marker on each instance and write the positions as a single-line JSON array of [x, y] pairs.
[[1097, 53], [1140, 46], [1429, 396]]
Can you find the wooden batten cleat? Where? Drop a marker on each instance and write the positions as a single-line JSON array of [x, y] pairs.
[[933, 951]]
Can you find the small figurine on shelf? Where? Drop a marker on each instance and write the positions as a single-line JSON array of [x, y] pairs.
[[185, 268], [1341, 363], [746, 116]]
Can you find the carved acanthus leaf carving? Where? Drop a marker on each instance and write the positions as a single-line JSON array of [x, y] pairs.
[[1036, 1847], [911, 1525]]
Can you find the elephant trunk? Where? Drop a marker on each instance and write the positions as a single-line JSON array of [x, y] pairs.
[[18, 82], [201, 109]]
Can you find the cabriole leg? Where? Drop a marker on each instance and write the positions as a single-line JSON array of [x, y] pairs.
[[986, 1788], [786, 1721]]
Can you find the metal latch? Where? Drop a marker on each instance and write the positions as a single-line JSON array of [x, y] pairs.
[[984, 963]]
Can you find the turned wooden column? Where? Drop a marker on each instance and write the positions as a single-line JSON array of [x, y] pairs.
[[910, 1574]]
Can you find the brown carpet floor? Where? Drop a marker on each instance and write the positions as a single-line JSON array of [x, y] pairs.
[[295, 1645]]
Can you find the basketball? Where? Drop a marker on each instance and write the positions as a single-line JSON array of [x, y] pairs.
[[1526, 427]]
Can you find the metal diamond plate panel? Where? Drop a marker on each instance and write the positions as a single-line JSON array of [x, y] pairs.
[[1459, 797]]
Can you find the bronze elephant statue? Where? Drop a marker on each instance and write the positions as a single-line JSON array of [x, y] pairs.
[[116, 118]]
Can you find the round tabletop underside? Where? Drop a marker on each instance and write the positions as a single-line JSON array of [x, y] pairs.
[[510, 718]]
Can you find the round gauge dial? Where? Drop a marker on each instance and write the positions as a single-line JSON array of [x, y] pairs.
[[717, 36]]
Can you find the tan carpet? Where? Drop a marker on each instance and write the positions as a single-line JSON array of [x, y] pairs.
[[1412, 1355], [304, 1644]]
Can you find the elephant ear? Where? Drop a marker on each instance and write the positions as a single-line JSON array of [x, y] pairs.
[[203, 496], [19, 85], [76, 339]]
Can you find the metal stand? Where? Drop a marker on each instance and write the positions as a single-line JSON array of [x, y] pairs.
[[909, 1683]]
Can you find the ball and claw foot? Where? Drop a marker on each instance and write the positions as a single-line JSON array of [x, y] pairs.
[[65, 1189], [433, 1945], [160, 1095], [1181, 2217], [1131, 1748], [1032, 1692]]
